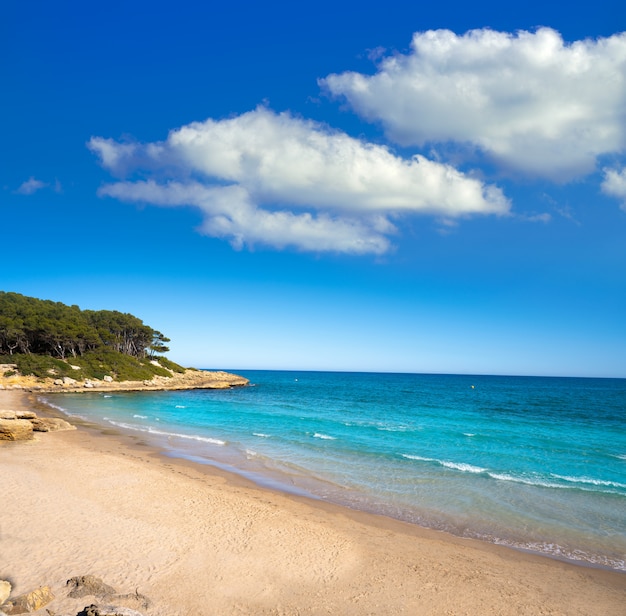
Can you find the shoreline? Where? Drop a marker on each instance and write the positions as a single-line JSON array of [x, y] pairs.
[[252, 549]]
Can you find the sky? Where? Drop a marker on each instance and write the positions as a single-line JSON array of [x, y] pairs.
[[415, 187]]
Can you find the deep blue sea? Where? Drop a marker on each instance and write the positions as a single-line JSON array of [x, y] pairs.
[[535, 463]]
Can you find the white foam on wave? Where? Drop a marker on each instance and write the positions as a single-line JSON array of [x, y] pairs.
[[180, 406], [461, 466], [150, 430], [536, 481], [620, 456], [324, 437], [393, 428], [421, 458], [470, 434], [261, 434], [457, 466], [590, 481], [141, 416]]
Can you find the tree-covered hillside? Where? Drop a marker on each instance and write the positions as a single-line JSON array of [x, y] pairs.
[[95, 341]]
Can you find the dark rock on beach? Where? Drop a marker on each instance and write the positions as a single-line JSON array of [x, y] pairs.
[[84, 585]]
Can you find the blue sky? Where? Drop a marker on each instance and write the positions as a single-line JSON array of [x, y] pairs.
[[334, 186]]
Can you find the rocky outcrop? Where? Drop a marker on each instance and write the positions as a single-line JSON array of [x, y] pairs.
[[30, 602], [15, 430], [20, 425], [190, 379]]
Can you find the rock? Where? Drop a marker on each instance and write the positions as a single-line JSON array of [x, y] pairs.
[[55, 423], [108, 379], [15, 430], [107, 610], [69, 380], [84, 585], [30, 602], [88, 384], [26, 415], [39, 425], [8, 415], [5, 591], [58, 381]]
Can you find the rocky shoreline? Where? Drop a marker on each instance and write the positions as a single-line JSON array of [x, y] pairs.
[[190, 379]]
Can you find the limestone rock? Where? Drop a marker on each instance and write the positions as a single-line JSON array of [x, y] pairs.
[[39, 425], [88, 384], [5, 591], [8, 415], [84, 585], [58, 381], [108, 379], [30, 602], [69, 380], [15, 430], [26, 415], [54, 423]]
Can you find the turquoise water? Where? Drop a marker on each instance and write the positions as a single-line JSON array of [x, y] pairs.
[[534, 463]]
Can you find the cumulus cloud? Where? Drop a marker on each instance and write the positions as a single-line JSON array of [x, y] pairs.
[[30, 186], [274, 179], [614, 184], [528, 100]]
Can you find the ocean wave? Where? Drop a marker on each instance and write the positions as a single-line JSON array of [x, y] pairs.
[[393, 428], [140, 416], [420, 458], [457, 466], [466, 468], [150, 430], [180, 406], [534, 481], [261, 435], [324, 437], [591, 481], [470, 434], [570, 484], [620, 456]]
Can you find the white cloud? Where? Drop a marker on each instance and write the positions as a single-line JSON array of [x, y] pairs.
[[30, 186], [530, 101], [614, 184], [252, 173], [230, 214]]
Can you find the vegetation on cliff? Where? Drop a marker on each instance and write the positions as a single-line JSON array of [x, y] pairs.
[[46, 338]]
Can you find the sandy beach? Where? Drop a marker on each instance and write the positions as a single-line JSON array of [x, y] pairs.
[[197, 541]]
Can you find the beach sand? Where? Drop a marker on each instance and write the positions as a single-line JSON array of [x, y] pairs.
[[198, 542]]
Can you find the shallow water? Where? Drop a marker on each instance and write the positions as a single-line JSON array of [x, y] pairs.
[[534, 463]]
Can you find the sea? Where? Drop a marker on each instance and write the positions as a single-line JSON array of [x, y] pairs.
[[534, 463]]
